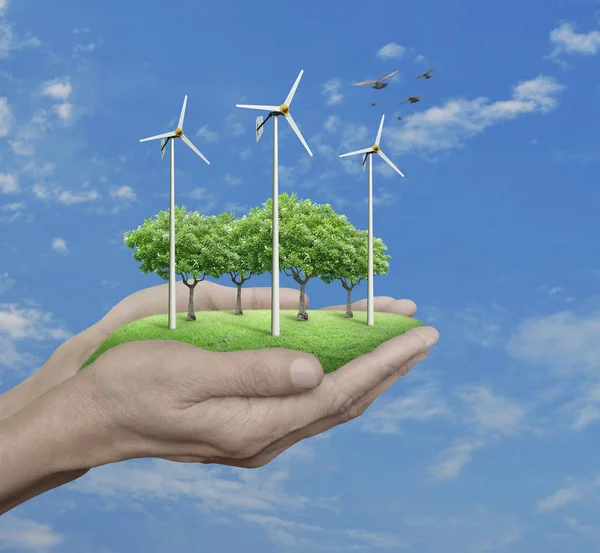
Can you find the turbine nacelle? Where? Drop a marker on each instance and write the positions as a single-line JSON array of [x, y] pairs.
[[283, 109], [375, 149], [177, 133]]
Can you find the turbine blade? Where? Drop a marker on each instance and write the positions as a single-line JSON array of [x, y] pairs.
[[363, 151], [292, 123], [364, 162], [389, 162], [290, 96], [180, 125], [380, 130], [263, 108], [163, 135], [189, 143]]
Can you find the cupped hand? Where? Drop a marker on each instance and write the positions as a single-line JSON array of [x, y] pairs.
[[70, 356], [176, 401]]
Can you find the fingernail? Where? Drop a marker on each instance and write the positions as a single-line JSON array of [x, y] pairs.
[[303, 374], [429, 334]]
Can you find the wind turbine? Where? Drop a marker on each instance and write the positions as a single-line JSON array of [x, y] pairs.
[[275, 112], [166, 137], [375, 149]]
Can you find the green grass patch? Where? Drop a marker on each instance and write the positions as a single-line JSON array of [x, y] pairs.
[[328, 335]]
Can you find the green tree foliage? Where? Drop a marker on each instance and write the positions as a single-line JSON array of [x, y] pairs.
[[308, 234], [193, 256], [235, 244], [350, 262]]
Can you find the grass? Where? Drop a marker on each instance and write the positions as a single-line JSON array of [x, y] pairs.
[[328, 335]]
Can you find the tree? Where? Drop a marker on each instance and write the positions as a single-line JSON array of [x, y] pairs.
[[349, 263], [193, 259], [236, 250], [308, 234]]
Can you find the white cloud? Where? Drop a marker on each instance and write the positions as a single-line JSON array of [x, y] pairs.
[[210, 488], [25, 322], [8, 184], [561, 498], [85, 48], [245, 154], [234, 181], [567, 41], [565, 341], [451, 461], [15, 212], [14, 206], [449, 126], [391, 51], [490, 413], [207, 134], [69, 198], [21, 534], [6, 283], [291, 533], [40, 191], [58, 89], [421, 404], [331, 123], [6, 116], [10, 42], [65, 111], [237, 129], [585, 408], [332, 91], [123, 193], [59, 245]]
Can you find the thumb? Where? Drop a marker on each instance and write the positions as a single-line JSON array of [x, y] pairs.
[[262, 373]]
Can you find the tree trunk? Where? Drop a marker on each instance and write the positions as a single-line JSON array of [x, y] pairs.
[[302, 314], [191, 316], [349, 313], [238, 303]]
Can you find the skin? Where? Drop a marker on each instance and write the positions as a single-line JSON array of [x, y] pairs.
[[240, 409]]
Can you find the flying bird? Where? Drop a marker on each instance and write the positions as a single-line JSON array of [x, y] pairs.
[[373, 104], [378, 84], [399, 117], [426, 75], [412, 99]]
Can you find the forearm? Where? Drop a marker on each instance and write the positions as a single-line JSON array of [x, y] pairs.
[[43, 446]]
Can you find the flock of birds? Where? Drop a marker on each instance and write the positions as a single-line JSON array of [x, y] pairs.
[[380, 83]]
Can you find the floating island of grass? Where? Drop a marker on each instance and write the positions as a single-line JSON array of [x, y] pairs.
[[331, 337]]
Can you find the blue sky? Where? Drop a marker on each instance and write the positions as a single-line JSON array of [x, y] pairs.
[[491, 443]]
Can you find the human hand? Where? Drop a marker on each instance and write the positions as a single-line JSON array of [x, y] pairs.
[[69, 356], [175, 401]]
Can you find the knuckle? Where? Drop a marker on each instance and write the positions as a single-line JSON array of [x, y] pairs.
[[255, 374]]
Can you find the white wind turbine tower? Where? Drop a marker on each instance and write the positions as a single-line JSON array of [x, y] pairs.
[[177, 133], [275, 112], [375, 149]]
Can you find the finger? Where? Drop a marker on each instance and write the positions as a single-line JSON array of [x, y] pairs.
[[405, 307], [289, 298], [277, 447], [253, 373], [336, 395], [356, 378], [208, 296]]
